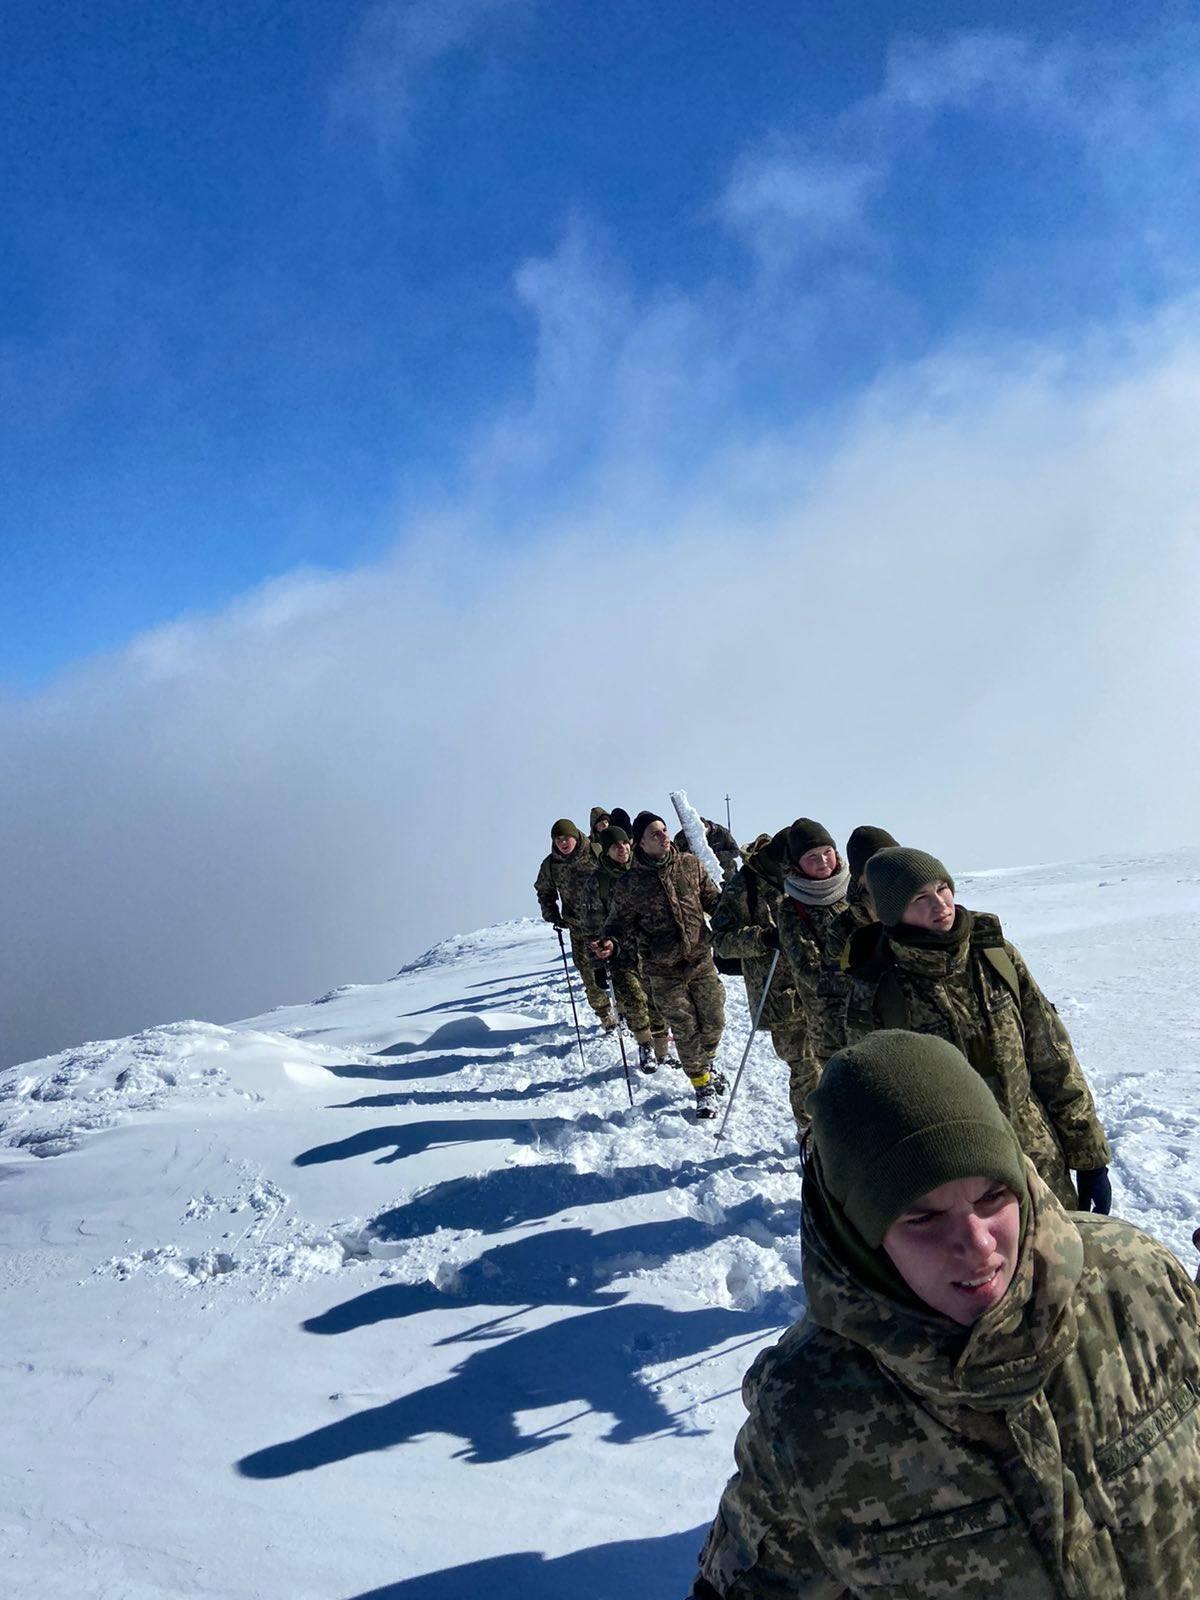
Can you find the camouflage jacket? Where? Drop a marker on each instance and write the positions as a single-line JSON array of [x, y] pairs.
[[813, 940], [1015, 1041], [720, 841], [597, 902], [1051, 1452], [565, 878], [594, 839], [745, 914], [660, 911]]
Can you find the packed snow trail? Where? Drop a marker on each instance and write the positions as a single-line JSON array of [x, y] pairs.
[[387, 1295]]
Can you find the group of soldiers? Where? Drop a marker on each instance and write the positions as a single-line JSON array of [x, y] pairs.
[[995, 1389], [831, 946]]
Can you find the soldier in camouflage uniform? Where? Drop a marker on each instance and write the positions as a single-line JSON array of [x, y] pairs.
[[745, 930], [598, 824], [988, 1398], [813, 932], [940, 969], [633, 1003], [658, 909], [720, 841], [562, 877], [860, 847]]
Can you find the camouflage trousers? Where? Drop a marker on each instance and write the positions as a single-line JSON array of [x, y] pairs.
[[793, 1043], [692, 1002], [636, 1006], [588, 966]]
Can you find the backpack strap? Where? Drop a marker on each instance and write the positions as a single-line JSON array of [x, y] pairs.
[[1004, 967]]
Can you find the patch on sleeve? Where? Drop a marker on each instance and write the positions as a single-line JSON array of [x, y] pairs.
[[981, 1517], [1113, 1459]]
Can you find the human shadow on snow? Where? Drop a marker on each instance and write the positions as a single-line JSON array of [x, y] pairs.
[[465, 1033], [591, 1361], [555, 1266], [437, 1066], [515, 977], [412, 1138], [657, 1569], [493, 1202], [480, 1002], [448, 1097]]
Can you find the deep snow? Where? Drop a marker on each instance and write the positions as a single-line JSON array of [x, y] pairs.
[[387, 1295]]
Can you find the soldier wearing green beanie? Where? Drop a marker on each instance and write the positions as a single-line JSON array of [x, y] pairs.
[[561, 887], [986, 1396], [932, 965]]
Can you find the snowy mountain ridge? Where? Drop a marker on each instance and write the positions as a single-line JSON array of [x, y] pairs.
[[389, 1294]]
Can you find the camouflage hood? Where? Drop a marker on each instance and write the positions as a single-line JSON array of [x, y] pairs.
[[1005, 1358], [768, 859]]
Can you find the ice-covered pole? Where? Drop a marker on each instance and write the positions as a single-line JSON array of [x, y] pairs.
[[689, 819]]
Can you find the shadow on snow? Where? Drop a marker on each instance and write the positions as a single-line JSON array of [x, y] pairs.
[[558, 1266], [659, 1568], [412, 1138], [592, 1361]]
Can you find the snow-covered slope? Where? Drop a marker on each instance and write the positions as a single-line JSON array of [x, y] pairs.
[[391, 1295]]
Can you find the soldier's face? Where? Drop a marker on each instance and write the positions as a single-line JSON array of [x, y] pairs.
[[620, 852], [564, 843], [932, 907], [956, 1247], [819, 862], [656, 841]]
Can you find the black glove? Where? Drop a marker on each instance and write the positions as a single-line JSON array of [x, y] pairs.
[[1095, 1191], [601, 976], [769, 938]]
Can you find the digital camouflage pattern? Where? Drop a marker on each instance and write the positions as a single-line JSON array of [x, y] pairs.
[[1051, 1451], [633, 1002], [744, 928], [1016, 1042], [561, 888], [813, 940], [658, 913], [720, 841], [562, 882]]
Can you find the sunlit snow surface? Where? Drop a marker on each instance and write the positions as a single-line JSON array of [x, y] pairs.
[[391, 1295]]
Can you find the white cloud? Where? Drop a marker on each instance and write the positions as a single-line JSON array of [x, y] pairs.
[[966, 612], [392, 51]]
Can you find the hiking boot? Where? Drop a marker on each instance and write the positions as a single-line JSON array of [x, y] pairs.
[[706, 1100], [646, 1061], [708, 1092]]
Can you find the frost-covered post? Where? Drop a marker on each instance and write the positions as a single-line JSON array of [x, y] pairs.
[[689, 819]]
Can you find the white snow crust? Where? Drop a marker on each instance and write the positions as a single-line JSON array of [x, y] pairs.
[[389, 1295]]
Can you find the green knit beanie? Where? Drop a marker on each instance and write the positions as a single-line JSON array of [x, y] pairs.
[[894, 875], [564, 828], [862, 845], [805, 834], [614, 835], [900, 1114]]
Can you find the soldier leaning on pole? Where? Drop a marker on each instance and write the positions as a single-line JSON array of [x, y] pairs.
[[633, 1002], [561, 887], [932, 965], [987, 1396], [658, 909], [745, 930]]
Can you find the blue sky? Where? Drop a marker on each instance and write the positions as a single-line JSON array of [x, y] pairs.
[[272, 269]]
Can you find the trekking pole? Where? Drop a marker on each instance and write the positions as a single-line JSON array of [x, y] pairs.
[[612, 995], [762, 1000], [562, 950]]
